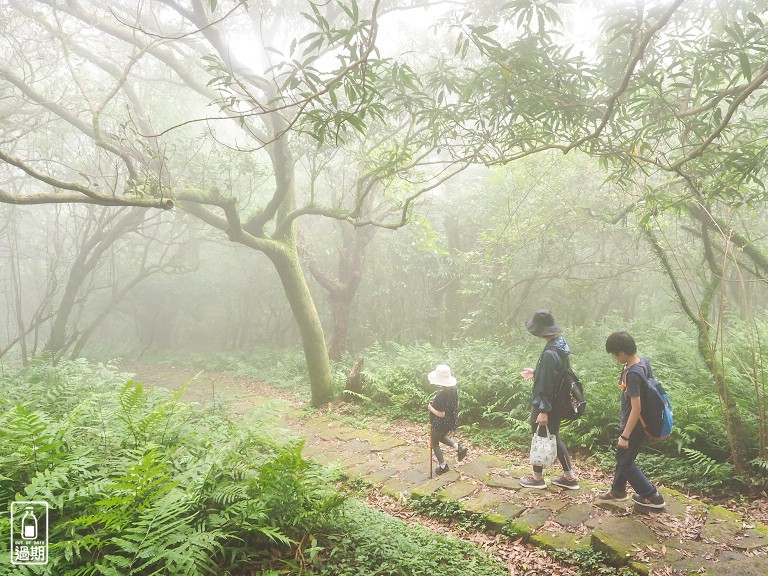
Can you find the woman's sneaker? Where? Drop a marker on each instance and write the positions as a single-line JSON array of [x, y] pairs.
[[568, 484], [442, 469], [531, 482], [461, 453], [655, 501], [612, 496]]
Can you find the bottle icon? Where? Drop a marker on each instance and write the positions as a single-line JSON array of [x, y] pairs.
[[29, 524]]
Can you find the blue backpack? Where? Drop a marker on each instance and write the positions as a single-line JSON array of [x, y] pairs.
[[656, 409]]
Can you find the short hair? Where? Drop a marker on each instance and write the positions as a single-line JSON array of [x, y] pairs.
[[621, 342]]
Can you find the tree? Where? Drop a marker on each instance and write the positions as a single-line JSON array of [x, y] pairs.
[[101, 103], [513, 87], [690, 147]]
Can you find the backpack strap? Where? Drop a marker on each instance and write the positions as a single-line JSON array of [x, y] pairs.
[[564, 360], [565, 365]]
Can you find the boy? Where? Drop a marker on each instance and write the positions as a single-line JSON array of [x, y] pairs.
[[633, 385], [444, 416], [546, 377]]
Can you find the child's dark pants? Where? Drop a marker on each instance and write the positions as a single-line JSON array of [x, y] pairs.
[[437, 438], [627, 470]]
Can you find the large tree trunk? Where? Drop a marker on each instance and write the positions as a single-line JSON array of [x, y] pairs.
[[286, 262], [281, 247]]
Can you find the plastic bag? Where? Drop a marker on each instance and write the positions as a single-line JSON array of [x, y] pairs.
[[543, 449]]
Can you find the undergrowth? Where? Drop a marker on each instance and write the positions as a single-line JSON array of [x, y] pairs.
[[369, 543], [142, 483], [589, 561]]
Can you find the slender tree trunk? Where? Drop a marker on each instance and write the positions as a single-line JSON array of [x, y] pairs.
[[88, 258], [57, 342], [342, 292], [341, 310], [17, 290], [86, 334], [707, 346]]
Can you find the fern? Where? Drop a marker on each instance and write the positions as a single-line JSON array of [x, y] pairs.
[[140, 484]]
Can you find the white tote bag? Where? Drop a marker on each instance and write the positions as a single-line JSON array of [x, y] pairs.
[[543, 449]]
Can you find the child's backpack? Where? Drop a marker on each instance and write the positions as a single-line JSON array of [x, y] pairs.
[[569, 402], [656, 409]]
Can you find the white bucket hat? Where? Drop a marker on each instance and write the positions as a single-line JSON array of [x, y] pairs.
[[441, 376]]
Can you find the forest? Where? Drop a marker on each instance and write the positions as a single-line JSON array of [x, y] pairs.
[[320, 201]]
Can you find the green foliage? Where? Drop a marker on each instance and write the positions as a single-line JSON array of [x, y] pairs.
[[368, 543], [761, 466], [447, 510], [589, 561], [142, 484]]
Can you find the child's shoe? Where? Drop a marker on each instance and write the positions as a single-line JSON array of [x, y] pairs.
[[461, 452], [441, 469]]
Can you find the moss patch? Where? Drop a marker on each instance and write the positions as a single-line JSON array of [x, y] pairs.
[[618, 538], [557, 540]]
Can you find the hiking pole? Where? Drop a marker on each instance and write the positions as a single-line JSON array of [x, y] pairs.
[[430, 450]]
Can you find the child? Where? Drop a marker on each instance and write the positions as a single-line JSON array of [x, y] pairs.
[[444, 416], [622, 346]]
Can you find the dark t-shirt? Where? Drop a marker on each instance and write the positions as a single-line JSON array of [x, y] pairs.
[[635, 387], [446, 400]]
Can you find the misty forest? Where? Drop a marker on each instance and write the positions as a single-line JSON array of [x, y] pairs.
[[238, 236]]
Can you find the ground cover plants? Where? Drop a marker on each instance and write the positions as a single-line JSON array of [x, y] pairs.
[[140, 482]]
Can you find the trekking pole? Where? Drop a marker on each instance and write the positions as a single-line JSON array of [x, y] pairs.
[[430, 450]]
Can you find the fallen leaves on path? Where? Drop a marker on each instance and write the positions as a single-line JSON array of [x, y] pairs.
[[519, 558]]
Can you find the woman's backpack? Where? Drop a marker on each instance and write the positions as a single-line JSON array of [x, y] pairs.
[[569, 402]]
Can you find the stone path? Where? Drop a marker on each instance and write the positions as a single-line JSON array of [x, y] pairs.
[[688, 537]]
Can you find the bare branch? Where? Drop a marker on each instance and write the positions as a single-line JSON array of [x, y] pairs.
[[82, 194]]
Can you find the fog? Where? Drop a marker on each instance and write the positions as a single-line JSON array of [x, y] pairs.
[[352, 173]]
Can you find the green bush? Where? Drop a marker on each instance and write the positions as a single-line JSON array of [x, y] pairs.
[[141, 483], [368, 543]]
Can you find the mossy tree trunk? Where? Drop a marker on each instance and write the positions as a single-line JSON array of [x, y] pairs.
[[286, 262], [700, 313], [272, 231]]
